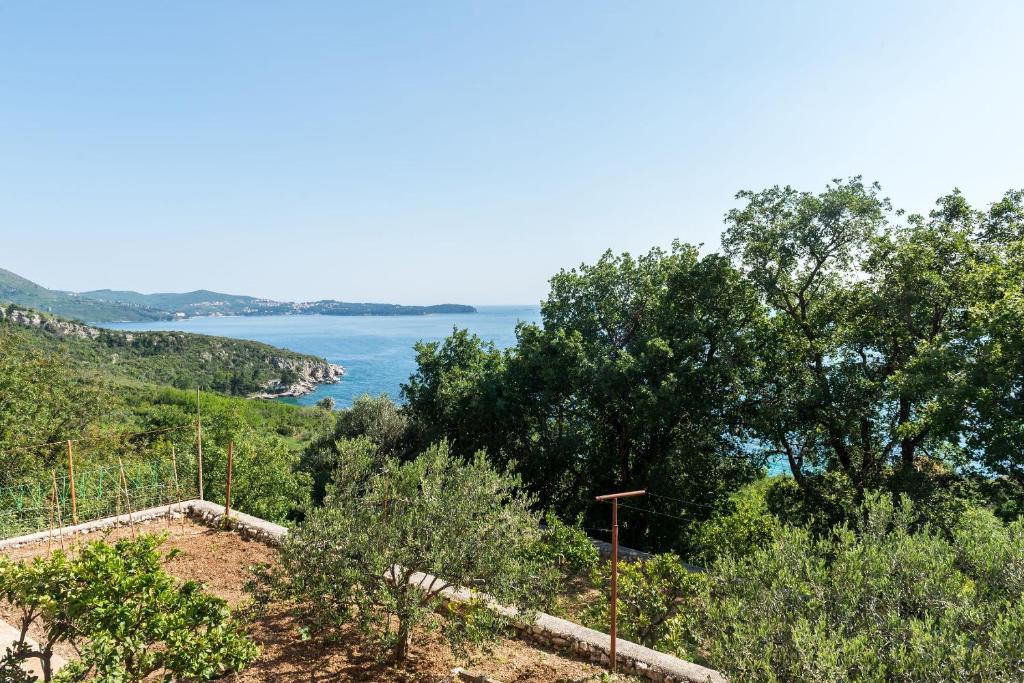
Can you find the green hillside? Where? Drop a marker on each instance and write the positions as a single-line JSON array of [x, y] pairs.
[[178, 359], [169, 301], [18, 290]]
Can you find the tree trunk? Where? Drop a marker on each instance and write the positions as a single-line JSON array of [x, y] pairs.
[[404, 636]]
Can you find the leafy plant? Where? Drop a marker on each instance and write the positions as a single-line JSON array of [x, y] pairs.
[[356, 559], [125, 615], [876, 601], [567, 546], [651, 592]]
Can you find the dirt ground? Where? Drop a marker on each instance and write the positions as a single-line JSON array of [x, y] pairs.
[[220, 560]]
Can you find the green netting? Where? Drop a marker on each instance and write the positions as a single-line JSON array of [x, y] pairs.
[[98, 493]]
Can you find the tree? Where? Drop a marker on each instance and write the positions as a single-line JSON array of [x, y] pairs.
[[124, 614], [356, 559], [634, 381], [995, 387], [378, 419], [373, 427], [458, 392], [859, 349]]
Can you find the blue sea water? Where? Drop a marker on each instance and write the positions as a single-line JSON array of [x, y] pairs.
[[376, 351]]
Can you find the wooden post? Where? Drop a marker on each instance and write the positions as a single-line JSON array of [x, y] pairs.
[[177, 488], [127, 498], [71, 478], [56, 504], [199, 443], [227, 493], [614, 498]]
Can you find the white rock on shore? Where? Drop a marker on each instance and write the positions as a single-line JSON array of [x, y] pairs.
[[310, 375]]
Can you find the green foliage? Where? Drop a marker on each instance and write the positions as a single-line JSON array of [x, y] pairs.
[[567, 547], [875, 602], [883, 340], [265, 481], [750, 525], [356, 559], [41, 401], [651, 594], [126, 615], [635, 380], [179, 359], [379, 420], [373, 428], [48, 394]]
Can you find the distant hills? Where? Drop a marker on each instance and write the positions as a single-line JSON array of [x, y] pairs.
[[108, 305]]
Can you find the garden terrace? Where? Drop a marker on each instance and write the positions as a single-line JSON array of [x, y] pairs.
[[550, 650]]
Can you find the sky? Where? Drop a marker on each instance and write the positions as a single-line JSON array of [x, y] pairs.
[[428, 152]]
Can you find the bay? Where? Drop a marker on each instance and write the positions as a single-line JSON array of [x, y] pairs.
[[376, 351]]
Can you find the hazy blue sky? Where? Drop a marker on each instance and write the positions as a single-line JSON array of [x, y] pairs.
[[422, 152]]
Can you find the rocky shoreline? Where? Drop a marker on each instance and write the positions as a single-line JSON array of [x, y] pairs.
[[310, 375], [291, 374]]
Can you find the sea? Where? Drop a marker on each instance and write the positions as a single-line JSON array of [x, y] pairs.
[[376, 351]]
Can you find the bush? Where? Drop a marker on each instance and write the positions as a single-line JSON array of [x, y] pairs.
[[568, 547], [877, 602], [265, 477], [128, 617], [888, 599], [749, 526], [355, 560], [651, 593]]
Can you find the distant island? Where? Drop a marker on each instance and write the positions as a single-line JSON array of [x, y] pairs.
[[107, 305]]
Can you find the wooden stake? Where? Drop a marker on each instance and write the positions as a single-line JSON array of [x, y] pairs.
[[177, 488], [49, 535], [227, 493], [117, 500], [71, 478], [56, 504], [127, 499], [199, 443]]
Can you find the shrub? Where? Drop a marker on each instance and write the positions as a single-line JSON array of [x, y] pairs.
[[750, 525], [128, 617], [265, 477], [355, 560], [876, 602], [651, 593], [886, 599], [567, 547]]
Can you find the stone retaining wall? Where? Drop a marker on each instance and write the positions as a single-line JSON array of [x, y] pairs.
[[175, 510], [546, 630]]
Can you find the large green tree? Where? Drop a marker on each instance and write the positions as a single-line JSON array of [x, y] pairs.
[[633, 380], [860, 348], [994, 388]]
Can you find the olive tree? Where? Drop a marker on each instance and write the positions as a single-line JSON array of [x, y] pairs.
[[358, 559]]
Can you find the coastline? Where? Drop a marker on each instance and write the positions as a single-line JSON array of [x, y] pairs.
[[312, 375]]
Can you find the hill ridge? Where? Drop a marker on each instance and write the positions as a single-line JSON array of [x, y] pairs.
[[110, 305]]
